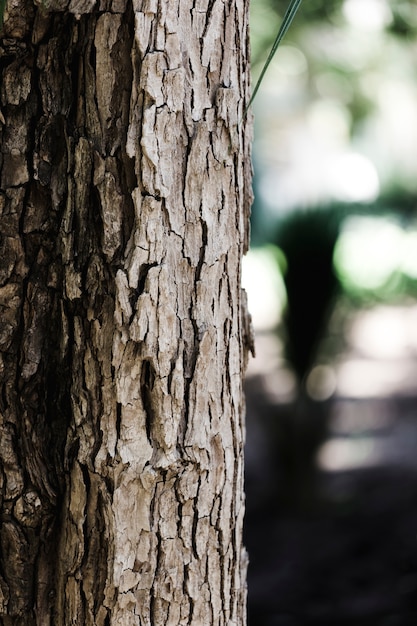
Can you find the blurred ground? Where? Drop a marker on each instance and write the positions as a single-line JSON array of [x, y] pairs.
[[331, 524]]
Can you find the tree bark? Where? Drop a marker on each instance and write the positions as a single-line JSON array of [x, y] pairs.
[[124, 202]]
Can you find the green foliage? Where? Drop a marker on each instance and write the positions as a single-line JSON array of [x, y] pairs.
[[342, 61], [404, 23], [2, 9]]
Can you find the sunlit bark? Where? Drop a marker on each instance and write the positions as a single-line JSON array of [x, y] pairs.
[[125, 192]]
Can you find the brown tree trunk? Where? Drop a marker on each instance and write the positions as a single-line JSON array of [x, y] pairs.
[[125, 192]]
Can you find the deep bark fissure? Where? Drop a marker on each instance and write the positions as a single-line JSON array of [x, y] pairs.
[[195, 523], [146, 388], [118, 419]]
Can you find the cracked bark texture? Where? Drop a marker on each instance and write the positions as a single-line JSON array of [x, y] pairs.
[[124, 202]]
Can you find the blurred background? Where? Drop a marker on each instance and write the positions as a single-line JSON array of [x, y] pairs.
[[331, 452]]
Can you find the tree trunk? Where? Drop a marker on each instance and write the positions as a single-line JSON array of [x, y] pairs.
[[125, 193]]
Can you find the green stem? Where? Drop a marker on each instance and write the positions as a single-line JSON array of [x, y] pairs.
[[286, 23]]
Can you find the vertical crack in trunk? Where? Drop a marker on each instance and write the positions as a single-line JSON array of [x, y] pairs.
[[146, 388]]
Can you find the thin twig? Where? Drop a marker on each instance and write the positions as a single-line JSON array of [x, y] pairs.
[[286, 23]]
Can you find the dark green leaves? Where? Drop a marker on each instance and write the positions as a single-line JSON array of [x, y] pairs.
[[2, 8]]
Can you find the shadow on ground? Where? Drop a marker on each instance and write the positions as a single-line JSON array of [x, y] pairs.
[[331, 534]]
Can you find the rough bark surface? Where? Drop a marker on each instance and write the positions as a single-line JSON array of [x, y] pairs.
[[124, 200]]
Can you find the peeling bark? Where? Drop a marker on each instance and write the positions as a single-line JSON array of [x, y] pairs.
[[124, 202]]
